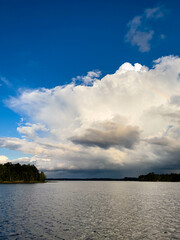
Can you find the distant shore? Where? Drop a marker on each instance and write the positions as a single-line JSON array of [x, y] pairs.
[[90, 179], [150, 177], [99, 180]]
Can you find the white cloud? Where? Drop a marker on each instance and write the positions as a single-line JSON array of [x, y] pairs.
[[129, 67], [139, 33], [3, 159], [30, 130], [89, 78], [120, 122]]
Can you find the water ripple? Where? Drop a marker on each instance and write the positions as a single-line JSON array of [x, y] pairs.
[[90, 211]]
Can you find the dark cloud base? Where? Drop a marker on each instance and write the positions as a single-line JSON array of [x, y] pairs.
[[134, 171], [110, 135]]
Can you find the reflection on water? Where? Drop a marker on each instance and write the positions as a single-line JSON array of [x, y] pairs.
[[90, 210]]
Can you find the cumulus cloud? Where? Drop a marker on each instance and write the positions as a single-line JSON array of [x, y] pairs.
[[139, 33], [126, 121]]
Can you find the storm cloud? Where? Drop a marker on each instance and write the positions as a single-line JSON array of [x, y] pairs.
[[126, 121]]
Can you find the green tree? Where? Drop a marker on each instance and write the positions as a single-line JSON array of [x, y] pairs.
[[42, 177], [10, 172]]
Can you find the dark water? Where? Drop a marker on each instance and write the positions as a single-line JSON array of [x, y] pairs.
[[90, 210]]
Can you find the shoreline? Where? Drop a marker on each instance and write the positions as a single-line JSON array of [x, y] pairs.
[[100, 180], [20, 182]]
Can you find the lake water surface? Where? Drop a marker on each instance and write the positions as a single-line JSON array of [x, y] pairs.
[[90, 210]]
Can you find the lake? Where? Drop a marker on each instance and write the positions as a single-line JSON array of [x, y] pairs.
[[90, 210]]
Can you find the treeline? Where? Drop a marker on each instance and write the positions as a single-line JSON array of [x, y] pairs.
[[173, 177], [10, 172]]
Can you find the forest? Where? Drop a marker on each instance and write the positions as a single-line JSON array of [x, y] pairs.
[[25, 173], [172, 177]]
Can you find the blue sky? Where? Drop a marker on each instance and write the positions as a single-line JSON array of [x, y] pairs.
[[45, 44]]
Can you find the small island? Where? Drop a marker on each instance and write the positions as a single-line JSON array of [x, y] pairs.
[[17, 173]]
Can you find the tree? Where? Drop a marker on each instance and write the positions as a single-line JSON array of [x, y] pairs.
[[42, 177]]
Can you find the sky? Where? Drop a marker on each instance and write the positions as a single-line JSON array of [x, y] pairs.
[[90, 89]]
